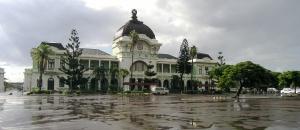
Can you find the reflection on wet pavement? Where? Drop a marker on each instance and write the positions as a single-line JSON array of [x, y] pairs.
[[173, 112]]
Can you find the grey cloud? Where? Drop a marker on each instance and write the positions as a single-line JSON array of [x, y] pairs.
[[27, 23], [265, 32]]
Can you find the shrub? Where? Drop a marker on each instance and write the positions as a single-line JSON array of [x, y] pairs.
[[78, 92], [34, 90], [147, 91]]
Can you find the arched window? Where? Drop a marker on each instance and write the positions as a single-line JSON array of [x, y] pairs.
[[104, 85], [139, 66], [50, 84], [166, 84]]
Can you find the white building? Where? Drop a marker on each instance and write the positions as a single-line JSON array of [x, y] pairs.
[[2, 80], [145, 52]]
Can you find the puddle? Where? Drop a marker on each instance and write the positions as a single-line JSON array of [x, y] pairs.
[[173, 112]]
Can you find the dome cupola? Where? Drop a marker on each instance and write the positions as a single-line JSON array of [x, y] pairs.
[[134, 24]]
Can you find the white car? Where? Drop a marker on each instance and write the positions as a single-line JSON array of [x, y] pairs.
[[160, 90], [287, 91]]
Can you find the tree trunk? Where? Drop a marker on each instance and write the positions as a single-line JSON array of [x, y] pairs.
[[41, 71], [295, 88], [131, 67], [192, 76], [40, 81], [181, 76], [239, 91], [123, 83]]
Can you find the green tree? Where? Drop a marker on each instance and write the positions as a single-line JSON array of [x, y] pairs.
[[71, 65], [289, 78], [193, 53], [41, 56], [245, 75], [217, 72], [275, 80], [250, 75], [226, 78], [123, 73], [149, 73], [284, 80], [183, 64], [134, 39]]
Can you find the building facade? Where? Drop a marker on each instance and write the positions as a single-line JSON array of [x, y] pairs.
[[145, 52]]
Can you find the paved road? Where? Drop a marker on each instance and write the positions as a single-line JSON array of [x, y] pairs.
[[173, 112]]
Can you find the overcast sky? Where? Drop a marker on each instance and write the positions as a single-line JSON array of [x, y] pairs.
[[263, 31]]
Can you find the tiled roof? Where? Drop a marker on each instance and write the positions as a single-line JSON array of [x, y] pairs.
[[166, 56], [88, 51]]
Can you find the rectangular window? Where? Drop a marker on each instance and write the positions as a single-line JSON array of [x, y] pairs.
[[51, 64], [206, 70], [94, 64], [61, 82], [200, 71], [166, 68], [85, 63], [173, 68], [61, 63], [114, 65], [158, 68], [105, 64]]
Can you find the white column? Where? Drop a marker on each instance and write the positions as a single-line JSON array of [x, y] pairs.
[[162, 68], [109, 64]]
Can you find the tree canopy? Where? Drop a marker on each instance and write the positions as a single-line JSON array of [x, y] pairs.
[[71, 65], [41, 56], [289, 79], [183, 64], [244, 74]]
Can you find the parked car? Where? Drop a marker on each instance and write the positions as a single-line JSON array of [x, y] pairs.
[[287, 91], [297, 90], [160, 90], [272, 90]]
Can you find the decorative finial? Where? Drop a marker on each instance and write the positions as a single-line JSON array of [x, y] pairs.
[[134, 12]]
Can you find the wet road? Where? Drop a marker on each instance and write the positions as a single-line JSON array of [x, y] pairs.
[[173, 112]]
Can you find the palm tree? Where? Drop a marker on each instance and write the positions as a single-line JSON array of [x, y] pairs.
[[124, 73], [99, 73], [134, 37], [193, 53], [41, 56]]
